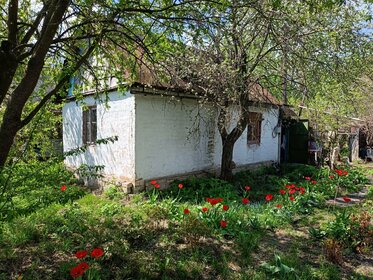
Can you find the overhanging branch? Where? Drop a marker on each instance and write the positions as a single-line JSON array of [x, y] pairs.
[[60, 84], [12, 22]]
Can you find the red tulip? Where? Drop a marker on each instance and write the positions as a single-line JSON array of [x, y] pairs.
[[223, 224], [81, 254], [269, 197], [84, 266], [97, 253], [245, 200], [76, 272]]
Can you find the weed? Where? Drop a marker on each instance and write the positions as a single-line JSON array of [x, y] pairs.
[[316, 233], [325, 271], [279, 269], [333, 250]]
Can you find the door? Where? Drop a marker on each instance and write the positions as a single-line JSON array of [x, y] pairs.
[[298, 142]]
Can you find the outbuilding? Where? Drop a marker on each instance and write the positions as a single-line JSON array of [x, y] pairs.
[[162, 134]]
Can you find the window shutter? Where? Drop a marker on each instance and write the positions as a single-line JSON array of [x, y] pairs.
[[93, 125], [84, 128], [259, 125], [254, 128]]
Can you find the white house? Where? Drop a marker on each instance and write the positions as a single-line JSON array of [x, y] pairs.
[[162, 134]]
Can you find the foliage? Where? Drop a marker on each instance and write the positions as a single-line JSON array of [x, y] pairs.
[[113, 193], [347, 231], [29, 178], [84, 148], [290, 48], [344, 106], [265, 177], [316, 233], [370, 192], [197, 189], [355, 178], [85, 171], [298, 171], [30, 186], [65, 41], [154, 239], [279, 269]]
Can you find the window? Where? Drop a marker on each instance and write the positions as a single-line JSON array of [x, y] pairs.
[[254, 128], [90, 125]]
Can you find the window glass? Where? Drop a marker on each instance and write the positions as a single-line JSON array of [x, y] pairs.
[[90, 125]]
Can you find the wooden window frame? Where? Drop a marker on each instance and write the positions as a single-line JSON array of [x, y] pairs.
[[254, 125], [89, 125]]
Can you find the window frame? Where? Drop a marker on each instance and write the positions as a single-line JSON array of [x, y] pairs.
[[255, 121], [89, 131]]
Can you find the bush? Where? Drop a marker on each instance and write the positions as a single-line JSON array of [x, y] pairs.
[[28, 187], [261, 180], [296, 172], [353, 231]]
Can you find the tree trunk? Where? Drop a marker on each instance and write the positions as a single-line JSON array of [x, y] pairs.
[[15, 104], [229, 139], [226, 160], [8, 131], [8, 66]]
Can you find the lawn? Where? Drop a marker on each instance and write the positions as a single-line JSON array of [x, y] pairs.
[[267, 224]]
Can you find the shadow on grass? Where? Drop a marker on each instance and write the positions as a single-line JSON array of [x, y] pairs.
[[307, 257]]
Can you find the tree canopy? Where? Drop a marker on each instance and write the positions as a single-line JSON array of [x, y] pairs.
[[43, 43], [299, 51], [289, 47]]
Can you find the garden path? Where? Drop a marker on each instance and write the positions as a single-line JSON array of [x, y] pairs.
[[355, 198]]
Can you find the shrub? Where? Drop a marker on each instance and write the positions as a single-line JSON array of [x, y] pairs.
[[352, 231], [32, 186]]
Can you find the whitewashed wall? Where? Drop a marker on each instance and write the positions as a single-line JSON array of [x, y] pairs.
[[245, 154], [168, 142], [118, 120], [159, 136]]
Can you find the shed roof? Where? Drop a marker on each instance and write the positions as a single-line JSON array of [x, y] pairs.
[[258, 94]]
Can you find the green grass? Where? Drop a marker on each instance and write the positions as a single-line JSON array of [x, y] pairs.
[[150, 237], [370, 192]]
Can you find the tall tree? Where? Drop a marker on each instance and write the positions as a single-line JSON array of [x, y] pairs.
[[44, 42], [262, 43]]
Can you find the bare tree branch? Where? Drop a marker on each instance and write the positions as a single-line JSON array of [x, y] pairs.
[[35, 24], [12, 21], [58, 87]]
